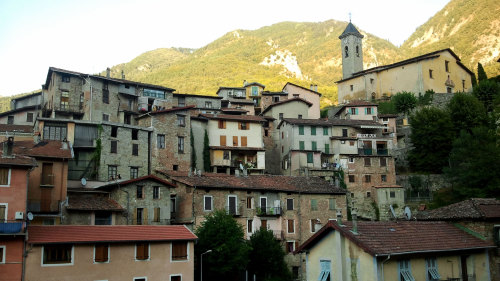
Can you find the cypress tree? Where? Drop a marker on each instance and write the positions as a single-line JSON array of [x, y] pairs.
[[481, 74]]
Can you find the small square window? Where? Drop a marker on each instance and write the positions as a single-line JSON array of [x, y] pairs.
[[65, 78], [392, 194], [383, 178], [314, 204], [105, 117], [175, 167], [368, 162], [135, 149], [156, 192], [351, 178], [29, 117], [160, 141], [101, 252], [112, 172], [368, 178], [134, 172], [142, 251], [208, 104], [351, 159], [181, 120], [383, 162], [179, 250], [135, 134], [281, 116], [114, 132], [352, 87], [139, 192]]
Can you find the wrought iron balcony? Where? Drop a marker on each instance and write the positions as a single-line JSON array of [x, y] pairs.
[[269, 211]]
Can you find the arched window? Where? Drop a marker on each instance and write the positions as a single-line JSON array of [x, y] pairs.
[[357, 51], [346, 51]]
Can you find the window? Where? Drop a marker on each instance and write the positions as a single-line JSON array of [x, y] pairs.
[[135, 149], [64, 100], [314, 145], [432, 269], [331, 204], [447, 66], [351, 178], [291, 226], [114, 132], [142, 251], [312, 224], [368, 194], [371, 80], [139, 194], [344, 133], [112, 172], [295, 272], [4, 177], [299, 116], [2, 254], [290, 246], [301, 130], [10, 120], [156, 192], [383, 162], [314, 204], [101, 253], [263, 203], [160, 141], [255, 91], [368, 162], [392, 194], [243, 141], [180, 144], [405, 270], [383, 178], [281, 116], [357, 51], [282, 135], [351, 159], [368, 178], [157, 214], [325, 131], [140, 279], [313, 131], [430, 74], [207, 203], [134, 172], [352, 87], [289, 204], [179, 251], [276, 99], [105, 117], [57, 254], [249, 226], [310, 158], [225, 155], [181, 120], [3, 212], [249, 202], [208, 104], [103, 218], [354, 111], [175, 167], [105, 96], [263, 224], [244, 126], [368, 111], [463, 85], [222, 124], [139, 213], [135, 134], [325, 267], [449, 90], [181, 101], [65, 78], [346, 51], [29, 117], [114, 146], [327, 148]]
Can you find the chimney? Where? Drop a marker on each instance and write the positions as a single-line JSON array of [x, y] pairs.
[[339, 216], [311, 87], [7, 147], [108, 72], [354, 214], [123, 75], [245, 83], [315, 88]]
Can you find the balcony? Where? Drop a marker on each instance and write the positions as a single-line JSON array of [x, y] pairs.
[[234, 211], [44, 206], [269, 211], [11, 227], [70, 109], [370, 151]]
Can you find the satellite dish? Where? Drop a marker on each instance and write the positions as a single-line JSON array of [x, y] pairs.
[[30, 216], [83, 181], [392, 211], [407, 213]]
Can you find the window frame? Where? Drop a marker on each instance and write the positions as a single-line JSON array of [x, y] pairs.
[[9, 172], [156, 192], [111, 169], [313, 130], [314, 204], [134, 172], [160, 141], [301, 130], [180, 144], [2, 253], [310, 158], [135, 149], [181, 120], [57, 263], [114, 146], [136, 258], [290, 230], [211, 199], [250, 226], [107, 255], [172, 252], [288, 200], [29, 116]]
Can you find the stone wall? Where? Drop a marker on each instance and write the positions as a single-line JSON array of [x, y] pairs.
[[430, 182]]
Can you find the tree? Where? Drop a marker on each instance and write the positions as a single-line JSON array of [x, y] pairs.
[[267, 257], [487, 92], [404, 102], [431, 134], [387, 107], [222, 234], [481, 74], [475, 164], [206, 153], [193, 151], [466, 112]]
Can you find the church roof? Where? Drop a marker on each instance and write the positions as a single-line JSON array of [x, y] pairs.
[[350, 30]]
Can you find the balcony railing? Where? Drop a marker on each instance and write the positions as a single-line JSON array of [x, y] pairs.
[[234, 211], [370, 151], [70, 108], [269, 211], [8, 226]]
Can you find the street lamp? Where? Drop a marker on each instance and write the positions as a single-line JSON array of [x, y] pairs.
[[201, 264]]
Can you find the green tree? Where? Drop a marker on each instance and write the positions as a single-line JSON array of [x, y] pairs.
[[487, 92], [431, 134], [481, 74], [475, 164], [193, 151], [267, 257], [466, 112], [387, 107], [206, 153], [222, 234], [404, 102], [427, 98]]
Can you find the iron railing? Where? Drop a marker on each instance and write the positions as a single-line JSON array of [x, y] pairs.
[[269, 211]]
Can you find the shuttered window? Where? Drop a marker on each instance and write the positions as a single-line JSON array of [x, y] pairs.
[[179, 251], [141, 251], [291, 226], [235, 140], [4, 176], [222, 140], [243, 141], [301, 130], [157, 214], [101, 253]]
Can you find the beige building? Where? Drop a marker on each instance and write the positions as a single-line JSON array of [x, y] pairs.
[[440, 71], [395, 251], [113, 253], [310, 95]]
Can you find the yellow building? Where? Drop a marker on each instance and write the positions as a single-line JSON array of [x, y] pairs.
[[397, 250], [440, 71]]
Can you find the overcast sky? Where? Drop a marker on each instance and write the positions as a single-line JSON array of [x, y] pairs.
[[88, 36]]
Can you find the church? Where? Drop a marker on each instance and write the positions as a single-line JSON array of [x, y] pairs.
[[440, 71]]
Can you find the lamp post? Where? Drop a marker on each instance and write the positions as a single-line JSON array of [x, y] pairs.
[[201, 264]]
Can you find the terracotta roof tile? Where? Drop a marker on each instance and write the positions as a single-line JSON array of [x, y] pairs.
[[148, 177], [248, 118], [17, 128], [92, 202], [360, 103], [107, 233], [285, 102], [18, 160], [263, 182], [46, 148], [475, 208], [403, 237]]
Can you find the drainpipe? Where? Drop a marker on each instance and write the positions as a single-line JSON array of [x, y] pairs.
[[386, 260], [25, 253]]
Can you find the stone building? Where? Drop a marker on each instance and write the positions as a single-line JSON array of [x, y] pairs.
[[294, 208], [199, 103], [23, 110]]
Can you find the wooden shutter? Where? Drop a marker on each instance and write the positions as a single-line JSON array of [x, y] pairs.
[[235, 140], [239, 125], [157, 215], [2, 213], [145, 215], [223, 140], [243, 141], [101, 252], [291, 226], [179, 250], [263, 224], [139, 255]]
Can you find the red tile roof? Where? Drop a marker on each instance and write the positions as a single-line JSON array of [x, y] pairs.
[[17, 160], [312, 91], [312, 185], [402, 237], [148, 177], [247, 118], [92, 202], [360, 103], [17, 128], [46, 148], [107, 233], [169, 110], [285, 102], [471, 209]]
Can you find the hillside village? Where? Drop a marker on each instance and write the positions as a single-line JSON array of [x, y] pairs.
[[104, 178]]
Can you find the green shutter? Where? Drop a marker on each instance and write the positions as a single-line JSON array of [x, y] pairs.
[[313, 130], [313, 146], [309, 157], [325, 131], [327, 148], [314, 204], [301, 145], [301, 130]]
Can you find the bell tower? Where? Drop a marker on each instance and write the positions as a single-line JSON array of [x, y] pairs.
[[352, 51]]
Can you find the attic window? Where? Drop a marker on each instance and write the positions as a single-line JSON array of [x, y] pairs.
[[65, 78]]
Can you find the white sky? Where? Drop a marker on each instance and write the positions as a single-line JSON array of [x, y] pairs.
[[88, 36]]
